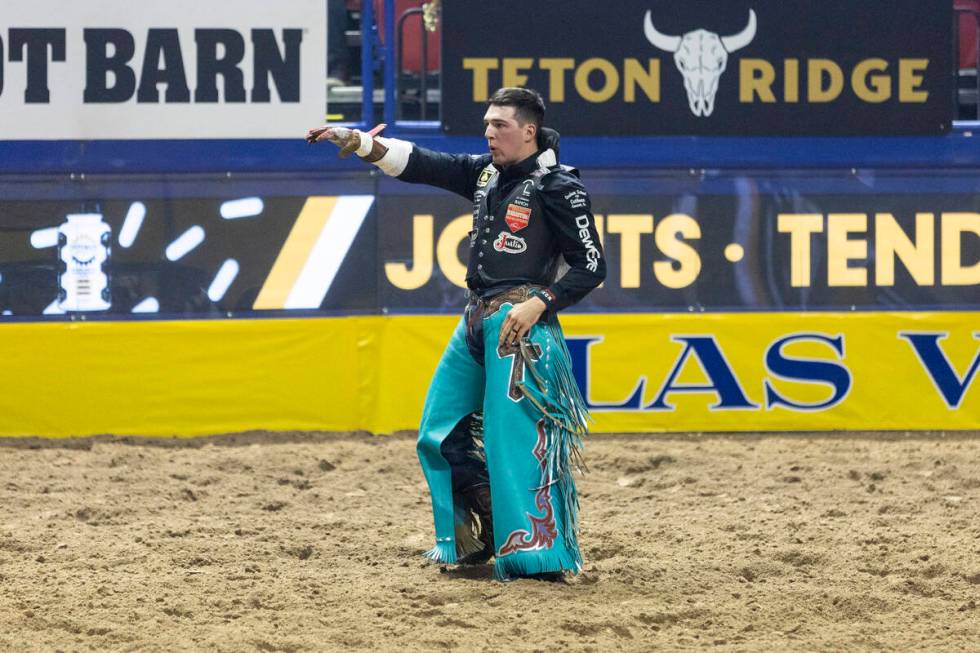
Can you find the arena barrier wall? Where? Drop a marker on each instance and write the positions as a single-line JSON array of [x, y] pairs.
[[639, 372], [736, 300]]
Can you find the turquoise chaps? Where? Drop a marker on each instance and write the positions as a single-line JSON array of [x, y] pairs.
[[533, 420]]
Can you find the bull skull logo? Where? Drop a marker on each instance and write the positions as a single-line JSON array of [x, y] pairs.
[[701, 57]]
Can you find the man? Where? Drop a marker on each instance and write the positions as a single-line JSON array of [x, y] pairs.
[[503, 418]]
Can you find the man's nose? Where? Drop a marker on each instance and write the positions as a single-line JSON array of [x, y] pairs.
[[488, 132]]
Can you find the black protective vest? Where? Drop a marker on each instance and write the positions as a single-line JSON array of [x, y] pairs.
[[511, 243]]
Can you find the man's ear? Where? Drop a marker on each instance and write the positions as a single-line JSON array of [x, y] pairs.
[[531, 133]]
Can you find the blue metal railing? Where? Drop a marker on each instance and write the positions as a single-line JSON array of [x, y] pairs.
[[373, 51], [368, 35], [390, 71]]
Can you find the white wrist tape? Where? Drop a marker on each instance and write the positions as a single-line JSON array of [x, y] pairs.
[[367, 142], [394, 162]]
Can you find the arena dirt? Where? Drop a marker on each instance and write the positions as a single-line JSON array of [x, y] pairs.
[[299, 542]]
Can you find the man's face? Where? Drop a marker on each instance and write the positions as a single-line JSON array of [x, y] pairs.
[[509, 141]]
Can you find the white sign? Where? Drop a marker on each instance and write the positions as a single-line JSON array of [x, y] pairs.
[[83, 247], [181, 69]]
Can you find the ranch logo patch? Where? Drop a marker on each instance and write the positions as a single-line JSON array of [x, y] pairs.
[[510, 243], [577, 199], [517, 217]]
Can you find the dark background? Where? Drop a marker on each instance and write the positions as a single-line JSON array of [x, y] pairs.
[[841, 30], [729, 206]]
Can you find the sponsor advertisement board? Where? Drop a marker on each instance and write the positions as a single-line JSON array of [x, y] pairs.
[[183, 69], [722, 241], [640, 372], [706, 67], [187, 248], [728, 241], [779, 371]]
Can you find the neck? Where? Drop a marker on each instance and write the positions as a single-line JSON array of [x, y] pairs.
[[522, 156]]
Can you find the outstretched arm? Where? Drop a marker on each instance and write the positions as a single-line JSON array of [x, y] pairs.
[[389, 154], [456, 173]]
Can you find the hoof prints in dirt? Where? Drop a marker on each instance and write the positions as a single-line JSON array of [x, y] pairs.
[[799, 558], [605, 551], [97, 516], [592, 629], [301, 552], [649, 465]]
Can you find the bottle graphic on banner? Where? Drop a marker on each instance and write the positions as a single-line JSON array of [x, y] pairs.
[[83, 247]]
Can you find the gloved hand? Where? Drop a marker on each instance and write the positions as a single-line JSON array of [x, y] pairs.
[[349, 141]]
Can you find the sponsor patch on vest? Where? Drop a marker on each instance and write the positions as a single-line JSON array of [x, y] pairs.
[[577, 199], [517, 217], [592, 254], [510, 243], [484, 178]]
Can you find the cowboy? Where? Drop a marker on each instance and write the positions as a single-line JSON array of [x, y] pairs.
[[503, 419]]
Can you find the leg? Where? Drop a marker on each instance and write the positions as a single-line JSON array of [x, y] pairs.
[[463, 449], [528, 452], [456, 392]]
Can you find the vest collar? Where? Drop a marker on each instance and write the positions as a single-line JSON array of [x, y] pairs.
[[547, 159], [539, 160]]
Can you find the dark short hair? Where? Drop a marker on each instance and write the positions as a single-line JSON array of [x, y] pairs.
[[528, 104]]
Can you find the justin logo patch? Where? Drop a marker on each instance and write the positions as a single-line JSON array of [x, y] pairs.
[[484, 178], [509, 243], [517, 217]]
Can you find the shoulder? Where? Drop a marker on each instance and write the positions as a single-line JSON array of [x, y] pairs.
[[481, 161], [482, 167], [562, 177], [562, 185]]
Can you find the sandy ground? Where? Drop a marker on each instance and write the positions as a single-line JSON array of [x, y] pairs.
[[312, 543]]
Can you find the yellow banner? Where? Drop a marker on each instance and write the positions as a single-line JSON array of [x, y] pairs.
[[185, 378], [765, 372], [639, 372]]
